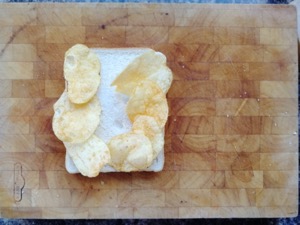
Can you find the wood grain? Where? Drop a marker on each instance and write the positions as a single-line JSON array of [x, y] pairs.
[[231, 140]]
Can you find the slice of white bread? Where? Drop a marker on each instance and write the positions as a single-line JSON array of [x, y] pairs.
[[114, 119]]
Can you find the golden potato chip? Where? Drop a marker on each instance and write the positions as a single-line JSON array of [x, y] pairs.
[[163, 77], [149, 100], [149, 127], [82, 73], [140, 69], [75, 123], [130, 152], [90, 156]]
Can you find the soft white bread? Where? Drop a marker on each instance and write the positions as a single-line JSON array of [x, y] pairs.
[[114, 119]]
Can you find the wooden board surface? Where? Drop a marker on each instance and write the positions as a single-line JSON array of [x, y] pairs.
[[231, 144]]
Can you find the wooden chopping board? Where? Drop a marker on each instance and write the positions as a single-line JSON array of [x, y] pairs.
[[231, 145]]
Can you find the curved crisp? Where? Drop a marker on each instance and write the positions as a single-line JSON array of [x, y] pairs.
[[149, 100], [82, 73], [90, 156], [75, 123], [148, 126], [163, 77], [130, 152], [149, 66]]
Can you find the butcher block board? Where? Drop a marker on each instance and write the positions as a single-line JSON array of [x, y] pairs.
[[231, 143]]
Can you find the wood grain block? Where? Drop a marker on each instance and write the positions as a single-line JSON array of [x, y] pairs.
[[289, 71], [17, 143], [28, 34], [229, 71], [279, 18], [6, 197], [231, 139], [191, 125], [40, 125], [201, 179], [234, 53], [60, 180], [48, 143], [277, 36], [237, 89], [141, 198], [194, 143], [52, 198], [6, 88], [107, 35], [40, 70], [13, 70], [29, 160], [278, 107], [279, 54], [237, 107], [244, 179], [278, 211], [44, 106], [198, 161], [24, 212], [18, 53], [190, 71], [192, 89], [236, 35], [168, 143], [238, 161], [233, 197], [55, 71], [278, 161], [279, 125], [284, 89], [188, 197], [162, 16], [265, 71], [54, 88], [60, 34], [16, 107], [163, 180], [6, 33], [8, 179], [156, 212], [223, 18], [14, 124], [50, 52], [173, 161], [18, 16], [203, 53], [142, 35], [192, 107], [206, 53], [6, 53], [238, 143], [276, 197], [104, 16], [278, 143], [53, 161], [245, 125], [280, 179], [28, 88], [187, 35], [105, 198], [53, 16]]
